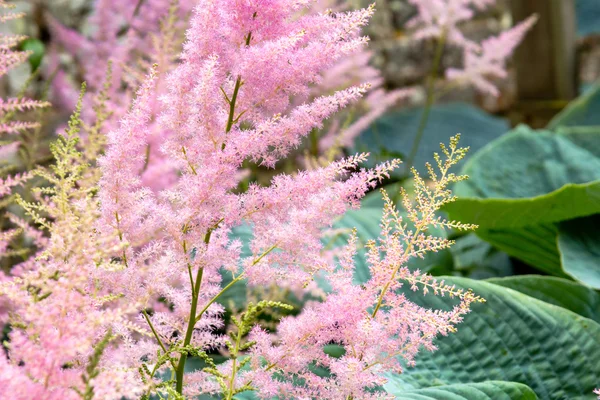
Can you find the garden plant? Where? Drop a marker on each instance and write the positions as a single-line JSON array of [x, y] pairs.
[[201, 226]]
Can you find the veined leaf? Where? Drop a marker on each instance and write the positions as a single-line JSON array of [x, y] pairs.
[[579, 245], [560, 292], [491, 390], [512, 337]]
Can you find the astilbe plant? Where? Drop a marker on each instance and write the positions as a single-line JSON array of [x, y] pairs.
[[131, 36], [129, 284], [14, 140], [9, 127], [440, 20], [53, 306]]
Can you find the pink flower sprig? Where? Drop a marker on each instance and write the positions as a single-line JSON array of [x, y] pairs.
[[379, 328], [489, 60], [441, 20], [130, 284]]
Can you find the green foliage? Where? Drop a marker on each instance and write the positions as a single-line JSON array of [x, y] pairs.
[[474, 258], [513, 338], [579, 246], [62, 176], [236, 346], [392, 135], [37, 51], [525, 186], [491, 390], [560, 292]]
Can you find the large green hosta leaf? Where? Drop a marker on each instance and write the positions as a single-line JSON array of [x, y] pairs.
[[514, 338], [534, 244], [588, 17], [493, 390], [524, 185], [526, 178], [582, 111], [560, 292], [579, 245], [392, 135]]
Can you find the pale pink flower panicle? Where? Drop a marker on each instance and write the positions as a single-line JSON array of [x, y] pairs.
[[441, 20], [489, 61]]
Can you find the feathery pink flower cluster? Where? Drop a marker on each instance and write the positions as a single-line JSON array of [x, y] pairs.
[[229, 101], [441, 19], [9, 59], [130, 282], [10, 129], [131, 36]]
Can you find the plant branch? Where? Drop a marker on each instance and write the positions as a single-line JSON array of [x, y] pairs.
[[437, 61]]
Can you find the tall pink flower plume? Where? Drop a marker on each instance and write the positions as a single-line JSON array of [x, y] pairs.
[[441, 19], [130, 281], [489, 61]]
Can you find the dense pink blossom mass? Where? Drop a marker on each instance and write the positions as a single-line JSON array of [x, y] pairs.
[[142, 249]]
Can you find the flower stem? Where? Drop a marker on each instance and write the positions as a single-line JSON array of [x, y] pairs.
[[191, 322], [437, 61], [234, 365]]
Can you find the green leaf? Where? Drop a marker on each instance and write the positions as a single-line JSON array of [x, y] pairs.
[[526, 178], [560, 292], [535, 245], [512, 337], [588, 17], [37, 49], [580, 112], [570, 201], [579, 245], [394, 133], [526, 182], [491, 390], [474, 258]]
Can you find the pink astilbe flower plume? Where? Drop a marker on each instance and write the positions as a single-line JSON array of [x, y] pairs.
[[441, 20], [61, 316], [133, 278], [489, 61], [9, 59], [379, 329], [11, 130]]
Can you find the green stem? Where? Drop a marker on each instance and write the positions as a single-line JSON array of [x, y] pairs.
[[191, 322], [231, 119], [439, 51], [234, 355], [190, 331], [162, 346], [226, 288], [233, 282], [238, 84]]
